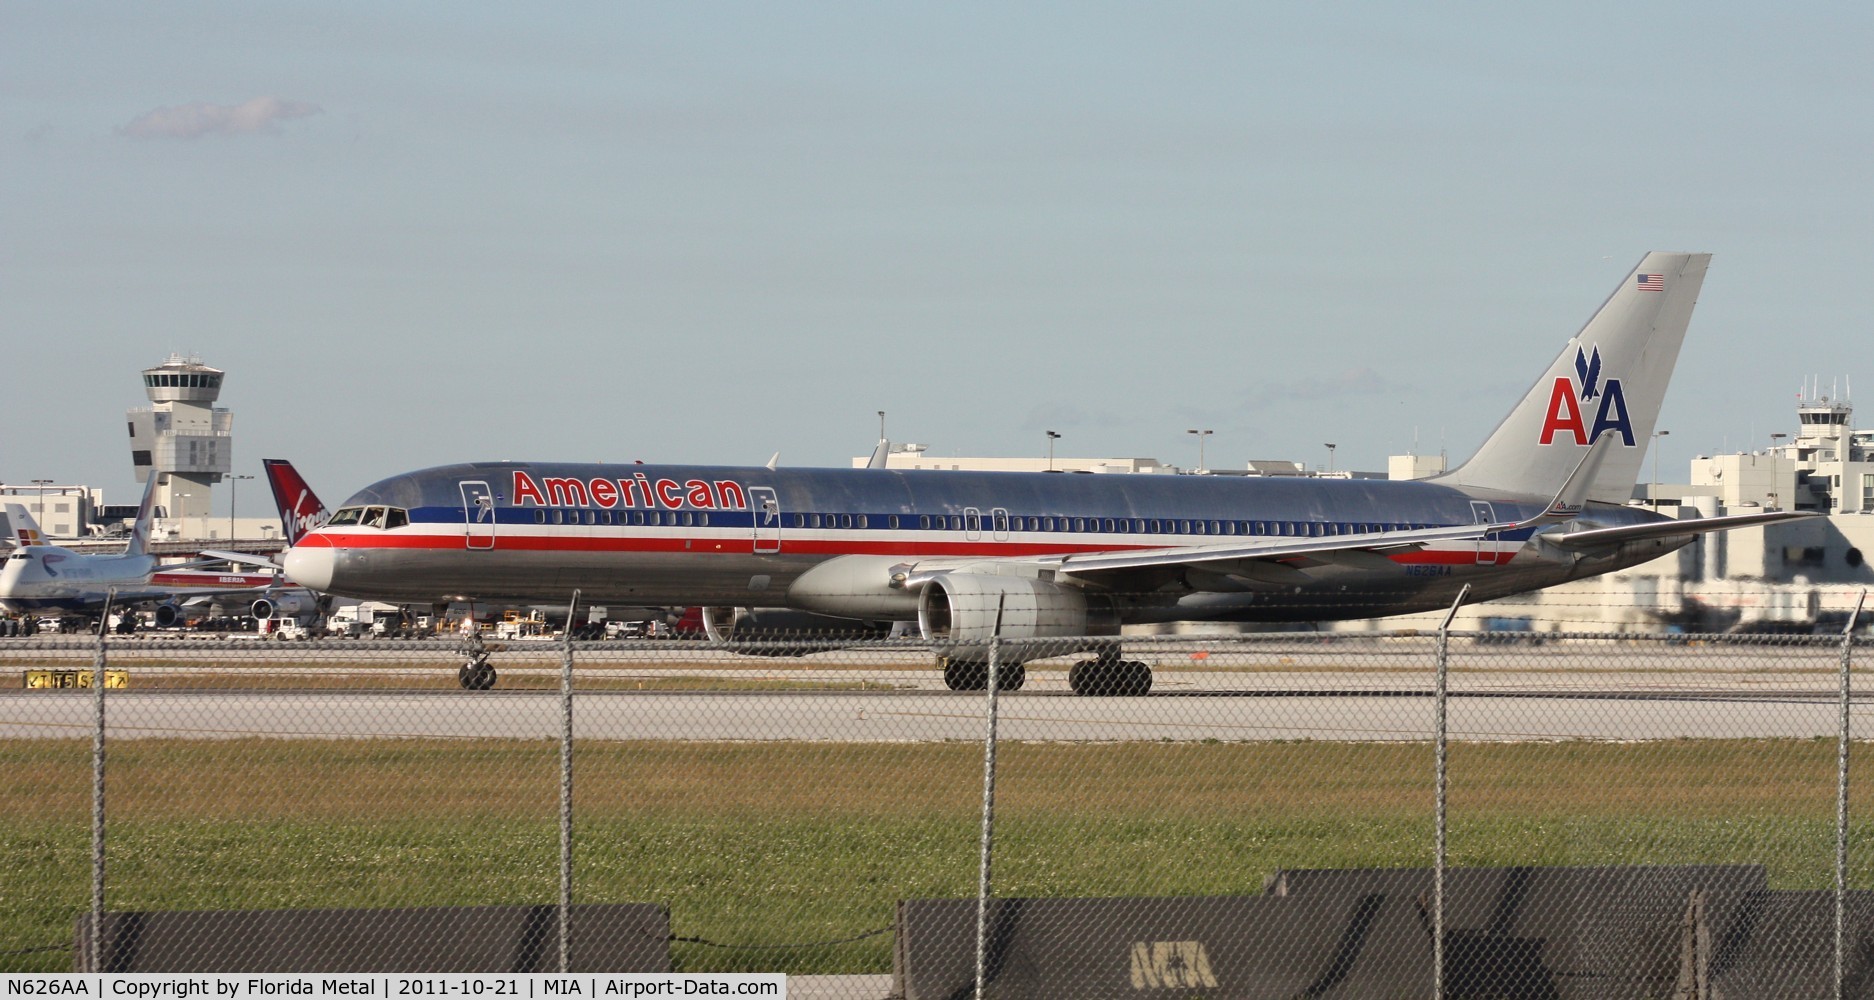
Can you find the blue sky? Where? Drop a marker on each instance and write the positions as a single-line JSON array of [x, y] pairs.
[[425, 233]]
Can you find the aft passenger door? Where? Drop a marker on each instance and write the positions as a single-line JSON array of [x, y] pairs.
[[765, 508], [478, 509], [1481, 513]]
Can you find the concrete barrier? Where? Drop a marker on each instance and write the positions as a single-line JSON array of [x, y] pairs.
[[606, 937], [1240, 946], [1779, 943], [1607, 932], [1580, 931]]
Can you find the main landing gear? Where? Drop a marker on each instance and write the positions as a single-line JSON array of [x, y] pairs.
[[1110, 675], [1106, 674], [973, 675]]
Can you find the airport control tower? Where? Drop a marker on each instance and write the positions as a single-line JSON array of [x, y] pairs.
[[183, 439]]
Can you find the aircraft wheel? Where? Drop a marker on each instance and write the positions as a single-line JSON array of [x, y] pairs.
[[1098, 678], [964, 675], [476, 675]]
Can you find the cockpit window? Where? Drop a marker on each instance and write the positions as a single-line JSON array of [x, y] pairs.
[[385, 517], [346, 515]]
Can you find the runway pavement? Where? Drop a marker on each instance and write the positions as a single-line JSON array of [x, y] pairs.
[[1302, 707], [1283, 688]]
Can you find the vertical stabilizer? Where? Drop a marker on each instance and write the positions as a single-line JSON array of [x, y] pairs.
[[140, 528], [1608, 381], [21, 526], [300, 509]]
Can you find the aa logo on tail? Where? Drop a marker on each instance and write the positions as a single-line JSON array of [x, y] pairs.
[[1566, 396]]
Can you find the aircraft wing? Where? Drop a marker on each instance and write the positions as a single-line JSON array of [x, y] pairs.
[[1594, 538], [1259, 559], [1270, 560], [1263, 560], [216, 558]]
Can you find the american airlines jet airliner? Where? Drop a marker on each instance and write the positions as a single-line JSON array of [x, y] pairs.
[[969, 556]]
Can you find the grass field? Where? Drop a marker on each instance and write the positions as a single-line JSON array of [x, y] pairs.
[[759, 847]]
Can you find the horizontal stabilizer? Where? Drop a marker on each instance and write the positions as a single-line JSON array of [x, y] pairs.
[[1595, 538]]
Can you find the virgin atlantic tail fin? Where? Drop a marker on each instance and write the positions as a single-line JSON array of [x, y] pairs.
[[300, 509]]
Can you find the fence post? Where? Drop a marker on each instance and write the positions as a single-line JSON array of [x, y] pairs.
[[566, 791], [1841, 795], [989, 812], [98, 665], [1439, 697]]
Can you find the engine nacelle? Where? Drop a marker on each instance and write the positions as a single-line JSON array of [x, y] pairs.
[[961, 612], [167, 616], [796, 633], [281, 606]]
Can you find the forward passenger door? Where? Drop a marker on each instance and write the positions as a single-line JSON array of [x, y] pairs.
[[478, 509]]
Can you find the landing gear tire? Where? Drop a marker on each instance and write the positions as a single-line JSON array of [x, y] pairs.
[[477, 675], [970, 675], [965, 675], [1102, 678]]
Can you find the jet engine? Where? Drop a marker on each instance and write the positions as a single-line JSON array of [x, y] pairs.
[[282, 606], [961, 612], [167, 616]]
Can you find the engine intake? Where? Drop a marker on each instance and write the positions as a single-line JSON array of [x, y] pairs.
[[280, 606], [961, 612]]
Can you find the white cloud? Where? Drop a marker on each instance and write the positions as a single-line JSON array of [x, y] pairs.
[[192, 121]]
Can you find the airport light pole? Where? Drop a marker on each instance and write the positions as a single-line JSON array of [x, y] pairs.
[[1201, 435], [234, 483], [1652, 491], [45, 524], [1052, 437], [1330, 456]]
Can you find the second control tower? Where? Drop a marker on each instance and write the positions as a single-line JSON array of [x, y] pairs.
[[183, 439]]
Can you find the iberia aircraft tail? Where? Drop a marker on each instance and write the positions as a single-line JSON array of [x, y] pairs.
[[24, 529], [1609, 381]]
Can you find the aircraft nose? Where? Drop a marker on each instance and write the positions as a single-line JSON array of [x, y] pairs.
[[310, 566]]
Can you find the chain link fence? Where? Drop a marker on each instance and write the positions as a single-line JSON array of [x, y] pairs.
[[1282, 815]]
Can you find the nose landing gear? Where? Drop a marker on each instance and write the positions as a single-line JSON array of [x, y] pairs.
[[477, 674]]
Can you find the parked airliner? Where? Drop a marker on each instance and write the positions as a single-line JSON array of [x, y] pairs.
[[972, 555], [39, 577]]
